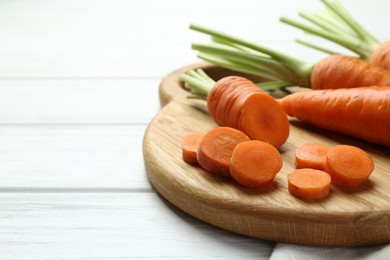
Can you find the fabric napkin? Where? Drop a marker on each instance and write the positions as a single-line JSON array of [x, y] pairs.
[[284, 251]]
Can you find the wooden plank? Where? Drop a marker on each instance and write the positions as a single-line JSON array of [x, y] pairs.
[[125, 39], [83, 101], [112, 226], [72, 157]]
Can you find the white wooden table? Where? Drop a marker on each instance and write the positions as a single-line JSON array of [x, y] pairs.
[[78, 86]]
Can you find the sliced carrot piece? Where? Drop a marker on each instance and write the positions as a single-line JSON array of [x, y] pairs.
[[190, 145], [309, 183], [348, 165], [216, 148], [255, 163], [262, 118], [311, 155]]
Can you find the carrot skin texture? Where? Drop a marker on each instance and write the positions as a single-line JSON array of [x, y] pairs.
[[311, 155], [348, 165], [254, 163], [310, 184], [360, 112], [216, 148], [381, 55], [339, 71], [238, 103], [190, 146]]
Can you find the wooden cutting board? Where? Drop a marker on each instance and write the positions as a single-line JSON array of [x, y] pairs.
[[345, 218]]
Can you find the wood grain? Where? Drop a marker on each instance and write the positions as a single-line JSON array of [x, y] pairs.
[[345, 218]]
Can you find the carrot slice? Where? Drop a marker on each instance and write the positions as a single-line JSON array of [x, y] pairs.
[[309, 183], [255, 163], [311, 155], [216, 148], [348, 165], [190, 145], [262, 118]]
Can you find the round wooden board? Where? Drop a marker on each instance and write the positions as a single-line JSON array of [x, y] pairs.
[[345, 218]]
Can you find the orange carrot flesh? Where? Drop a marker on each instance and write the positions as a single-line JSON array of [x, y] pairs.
[[190, 145], [238, 103], [338, 71], [254, 163], [311, 155], [216, 148], [262, 118], [381, 55], [227, 90], [309, 184], [359, 112], [348, 165]]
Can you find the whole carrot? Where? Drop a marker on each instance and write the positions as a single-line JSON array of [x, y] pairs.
[[381, 55], [337, 25], [360, 112], [334, 71], [238, 103]]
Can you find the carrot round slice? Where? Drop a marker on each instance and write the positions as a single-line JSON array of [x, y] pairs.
[[309, 183], [255, 163], [348, 165], [216, 148], [263, 118], [311, 155], [190, 145]]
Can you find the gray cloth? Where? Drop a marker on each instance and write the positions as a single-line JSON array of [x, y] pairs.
[[296, 252]]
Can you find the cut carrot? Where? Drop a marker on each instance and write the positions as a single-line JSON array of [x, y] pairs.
[[309, 183], [359, 112], [238, 103], [190, 145], [216, 148], [255, 163], [311, 155], [348, 165]]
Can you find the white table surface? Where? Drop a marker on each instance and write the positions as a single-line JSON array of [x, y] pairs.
[[78, 86]]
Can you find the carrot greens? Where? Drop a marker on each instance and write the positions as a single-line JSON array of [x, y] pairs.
[[337, 25], [237, 54]]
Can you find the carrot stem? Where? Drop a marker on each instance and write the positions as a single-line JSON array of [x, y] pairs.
[[198, 84], [343, 41], [337, 25], [317, 47], [235, 53]]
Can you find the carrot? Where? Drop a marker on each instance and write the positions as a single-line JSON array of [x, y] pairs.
[[309, 184], [381, 55], [216, 148], [339, 71], [333, 71], [311, 155], [359, 112], [348, 165], [254, 164], [190, 145], [337, 25], [238, 103]]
